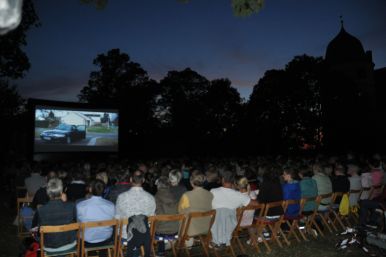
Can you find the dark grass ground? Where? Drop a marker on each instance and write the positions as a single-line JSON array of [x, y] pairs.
[[10, 245]]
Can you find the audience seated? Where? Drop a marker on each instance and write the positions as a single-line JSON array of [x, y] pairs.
[[96, 209], [177, 189], [308, 187], [323, 183], [57, 212], [355, 182], [271, 190], [291, 191], [198, 199], [136, 204], [340, 182], [225, 201], [76, 190], [166, 203], [34, 182], [122, 185]]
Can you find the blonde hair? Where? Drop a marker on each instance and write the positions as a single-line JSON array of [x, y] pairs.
[[102, 176], [242, 183]]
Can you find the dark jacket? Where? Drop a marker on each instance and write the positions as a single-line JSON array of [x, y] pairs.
[[76, 191], [57, 212], [116, 190], [166, 203]]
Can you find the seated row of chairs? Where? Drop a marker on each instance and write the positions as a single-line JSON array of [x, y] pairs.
[[257, 230]]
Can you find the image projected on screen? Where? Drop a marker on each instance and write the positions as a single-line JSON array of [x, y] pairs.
[[61, 130]]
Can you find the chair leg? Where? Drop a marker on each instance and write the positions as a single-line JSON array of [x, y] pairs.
[[292, 230], [205, 245]]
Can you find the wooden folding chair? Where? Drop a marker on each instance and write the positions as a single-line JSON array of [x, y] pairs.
[[293, 221], [44, 230], [121, 247], [335, 213], [110, 247], [203, 237], [310, 218], [272, 225], [354, 207], [22, 219], [248, 228], [154, 220], [324, 215]]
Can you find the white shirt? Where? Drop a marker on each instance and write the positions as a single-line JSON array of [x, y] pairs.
[[135, 201], [228, 198]]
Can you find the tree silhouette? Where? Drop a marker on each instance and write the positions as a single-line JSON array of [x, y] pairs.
[[285, 104], [123, 84]]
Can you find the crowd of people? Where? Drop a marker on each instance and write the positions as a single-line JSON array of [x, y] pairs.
[[91, 191]]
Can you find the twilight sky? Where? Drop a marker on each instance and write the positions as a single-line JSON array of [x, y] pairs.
[[164, 35]]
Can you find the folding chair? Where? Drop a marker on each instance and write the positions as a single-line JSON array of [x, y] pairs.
[[324, 215], [204, 237], [355, 206], [24, 218], [249, 228], [293, 221], [273, 225], [109, 247], [44, 230], [310, 218], [334, 211], [154, 220], [121, 247]]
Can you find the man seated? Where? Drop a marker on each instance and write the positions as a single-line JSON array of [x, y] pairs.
[[367, 214], [96, 209], [198, 199], [136, 205], [226, 200], [57, 212]]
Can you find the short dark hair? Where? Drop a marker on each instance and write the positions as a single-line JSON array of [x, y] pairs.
[[228, 176], [138, 177], [197, 179], [97, 187]]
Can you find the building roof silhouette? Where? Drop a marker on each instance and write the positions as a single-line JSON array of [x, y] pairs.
[[345, 48]]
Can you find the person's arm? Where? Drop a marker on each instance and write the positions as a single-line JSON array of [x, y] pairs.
[[183, 204]]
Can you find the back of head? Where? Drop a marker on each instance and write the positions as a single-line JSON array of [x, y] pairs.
[[374, 163], [228, 177], [242, 183], [212, 175], [162, 182], [197, 179], [97, 187], [54, 188], [305, 171], [137, 178], [175, 177]]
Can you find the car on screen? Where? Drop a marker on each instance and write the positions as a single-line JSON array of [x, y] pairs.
[[64, 133]]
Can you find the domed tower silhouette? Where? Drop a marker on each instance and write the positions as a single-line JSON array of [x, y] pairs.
[[348, 94]]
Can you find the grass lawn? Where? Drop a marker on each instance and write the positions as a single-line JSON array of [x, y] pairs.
[[106, 141], [101, 130]]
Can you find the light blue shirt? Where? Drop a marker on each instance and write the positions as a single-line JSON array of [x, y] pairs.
[[95, 209]]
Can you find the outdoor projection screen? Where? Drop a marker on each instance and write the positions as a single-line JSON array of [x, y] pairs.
[[64, 129]]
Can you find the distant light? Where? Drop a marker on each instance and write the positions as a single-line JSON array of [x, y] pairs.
[[10, 15]]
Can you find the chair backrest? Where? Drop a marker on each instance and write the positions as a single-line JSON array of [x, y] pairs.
[[154, 220], [57, 229], [206, 217], [24, 219], [271, 205], [257, 209], [290, 202], [113, 223]]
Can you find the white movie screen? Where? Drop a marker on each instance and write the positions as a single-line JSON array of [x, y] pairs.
[[67, 130]]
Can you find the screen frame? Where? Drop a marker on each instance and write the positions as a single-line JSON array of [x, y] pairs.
[[33, 104]]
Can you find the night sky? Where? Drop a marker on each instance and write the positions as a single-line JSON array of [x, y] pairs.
[[164, 35]]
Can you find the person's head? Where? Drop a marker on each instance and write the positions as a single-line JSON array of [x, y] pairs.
[[197, 179], [352, 169], [54, 188], [271, 174], [137, 178], [228, 178], [125, 176], [327, 169], [212, 175], [102, 176], [51, 175], [175, 177], [242, 184], [289, 174], [339, 170], [97, 187], [162, 182], [305, 171]]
